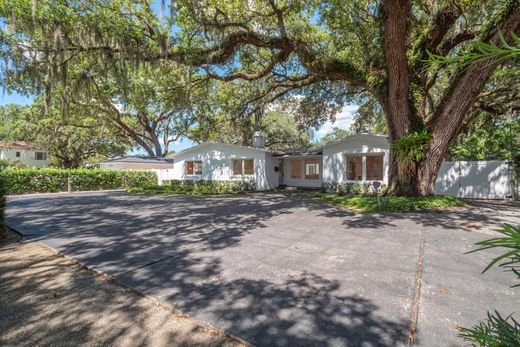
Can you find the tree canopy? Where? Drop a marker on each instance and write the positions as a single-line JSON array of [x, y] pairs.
[[327, 52], [84, 138]]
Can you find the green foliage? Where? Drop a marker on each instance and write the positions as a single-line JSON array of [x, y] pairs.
[[348, 188], [80, 138], [198, 187], [2, 204], [496, 330], [409, 150], [5, 164], [483, 51], [516, 176], [510, 260], [371, 204], [336, 134], [369, 118], [234, 117], [23, 181], [488, 134]]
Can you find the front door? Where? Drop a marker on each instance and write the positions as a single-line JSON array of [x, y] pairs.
[[281, 181]]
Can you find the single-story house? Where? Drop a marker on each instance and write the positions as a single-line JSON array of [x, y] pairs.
[[25, 154], [358, 158], [137, 163]]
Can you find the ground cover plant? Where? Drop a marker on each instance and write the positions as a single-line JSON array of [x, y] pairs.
[[197, 187], [376, 204], [25, 181]]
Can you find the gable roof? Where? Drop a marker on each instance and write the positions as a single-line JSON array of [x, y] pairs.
[[204, 144], [138, 159], [349, 138], [20, 145], [315, 150]]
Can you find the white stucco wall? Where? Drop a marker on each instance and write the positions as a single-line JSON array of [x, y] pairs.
[[302, 182], [487, 179], [334, 156], [217, 163], [27, 157]]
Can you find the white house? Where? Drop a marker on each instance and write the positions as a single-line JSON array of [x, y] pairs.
[[358, 158], [24, 154]]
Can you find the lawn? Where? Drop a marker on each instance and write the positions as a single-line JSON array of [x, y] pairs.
[[371, 204]]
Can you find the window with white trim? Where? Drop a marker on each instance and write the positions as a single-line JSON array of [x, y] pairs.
[[312, 169], [40, 155], [365, 167], [243, 167], [194, 167], [354, 167]]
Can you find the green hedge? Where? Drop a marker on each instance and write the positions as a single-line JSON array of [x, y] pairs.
[[350, 188], [24, 181], [2, 204], [197, 187]]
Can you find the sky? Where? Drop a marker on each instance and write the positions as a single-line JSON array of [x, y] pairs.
[[344, 120]]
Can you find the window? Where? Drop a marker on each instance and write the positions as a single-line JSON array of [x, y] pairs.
[[354, 168], [249, 167], [194, 167], [375, 167], [18, 154], [312, 169], [296, 166], [40, 156], [243, 167]]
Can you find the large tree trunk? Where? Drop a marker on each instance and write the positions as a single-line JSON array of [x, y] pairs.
[[447, 120]]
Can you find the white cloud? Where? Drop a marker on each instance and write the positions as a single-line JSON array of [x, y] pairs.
[[344, 120]]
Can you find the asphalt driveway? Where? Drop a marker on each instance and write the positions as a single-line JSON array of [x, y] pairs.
[[284, 269]]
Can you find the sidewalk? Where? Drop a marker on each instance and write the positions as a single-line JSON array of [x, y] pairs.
[[46, 299]]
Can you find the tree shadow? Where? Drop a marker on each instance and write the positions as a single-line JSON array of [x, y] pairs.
[[303, 310], [168, 247], [49, 301]]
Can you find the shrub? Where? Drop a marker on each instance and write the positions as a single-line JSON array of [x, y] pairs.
[[24, 181], [351, 188], [198, 187], [2, 205]]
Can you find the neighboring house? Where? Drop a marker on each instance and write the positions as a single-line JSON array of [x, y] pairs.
[[25, 154], [137, 163], [358, 158]]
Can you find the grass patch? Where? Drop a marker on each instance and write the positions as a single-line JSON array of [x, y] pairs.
[[371, 204]]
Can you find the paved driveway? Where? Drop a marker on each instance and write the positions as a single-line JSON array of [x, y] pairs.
[[283, 269]]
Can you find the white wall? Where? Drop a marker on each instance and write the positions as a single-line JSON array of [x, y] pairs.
[[27, 157], [217, 163], [334, 156], [302, 182], [488, 179]]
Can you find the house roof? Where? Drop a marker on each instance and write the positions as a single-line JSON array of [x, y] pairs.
[[315, 150], [298, 152], [218, 143], [138, 159], [20, 145], [346, 139]]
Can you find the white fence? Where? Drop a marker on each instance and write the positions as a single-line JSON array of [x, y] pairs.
[[490, 179]]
